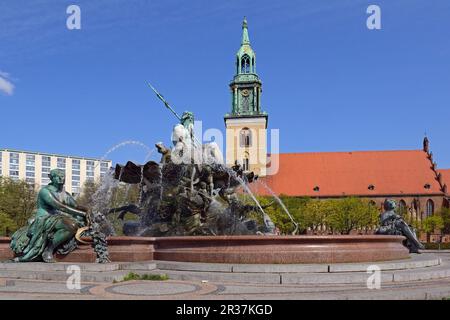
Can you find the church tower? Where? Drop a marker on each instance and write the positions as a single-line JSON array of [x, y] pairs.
[[246, 125]]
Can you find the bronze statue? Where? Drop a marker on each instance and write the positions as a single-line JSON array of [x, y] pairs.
[[393, 224], [53, 226], [57, 225]]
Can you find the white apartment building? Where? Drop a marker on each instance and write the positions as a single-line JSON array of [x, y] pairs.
[[34, 167]]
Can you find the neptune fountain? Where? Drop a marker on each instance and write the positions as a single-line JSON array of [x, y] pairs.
[[190, 191], [190, 208]]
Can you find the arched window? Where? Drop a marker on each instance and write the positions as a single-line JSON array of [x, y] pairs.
[[430, 208], [245, 138], [402, 208], [245, 64], [245, 162]]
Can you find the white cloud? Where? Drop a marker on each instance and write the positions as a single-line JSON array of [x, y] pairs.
[[6, 86]]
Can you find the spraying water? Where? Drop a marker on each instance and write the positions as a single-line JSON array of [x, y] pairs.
[[126, 143], [281, 204]]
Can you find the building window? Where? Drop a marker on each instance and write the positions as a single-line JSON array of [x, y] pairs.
[[30, 174], [430, 208], [46, 161], [13, 158], [75, 172], [14, 165], [30, 180], [245, 165], [30, 159], [402, 208], [61, 163], [14, 173], [90, 169], [75, 178], [75, 164], [104, 167], [75, 191], [245, 138], [245, 162], [245, 64]]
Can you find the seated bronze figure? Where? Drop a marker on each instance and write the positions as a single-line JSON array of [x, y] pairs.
[[393, 224]]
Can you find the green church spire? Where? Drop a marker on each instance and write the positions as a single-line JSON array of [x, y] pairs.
[[246, 57], [246, 85], [245, 38]]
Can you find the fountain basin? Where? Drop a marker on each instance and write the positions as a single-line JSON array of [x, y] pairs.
[[243, 249]]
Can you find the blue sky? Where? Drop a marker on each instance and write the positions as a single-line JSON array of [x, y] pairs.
[[329, 84]]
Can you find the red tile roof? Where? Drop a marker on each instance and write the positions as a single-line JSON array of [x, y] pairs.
[[445, 177], [351, 174]]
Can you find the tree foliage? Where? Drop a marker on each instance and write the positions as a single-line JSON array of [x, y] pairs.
[[17, 201], [341, 216], [445, 214], [7, 225], [432, 223], [351, 213]]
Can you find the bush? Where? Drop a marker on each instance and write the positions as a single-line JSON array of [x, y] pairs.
[[152, 277]]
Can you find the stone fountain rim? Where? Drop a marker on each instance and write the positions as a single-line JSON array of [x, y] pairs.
[[251, 237]]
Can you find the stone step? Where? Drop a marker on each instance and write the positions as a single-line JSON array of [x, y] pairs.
[[89, 267], [101, 277], [428, 273], [41, 266], [417, 261], [420, 267]]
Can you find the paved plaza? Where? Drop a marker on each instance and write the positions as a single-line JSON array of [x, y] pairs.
[[425, 276]]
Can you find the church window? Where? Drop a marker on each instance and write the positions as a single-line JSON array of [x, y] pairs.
[[246, 138], [245, 64], [402, 208], [430, 208], [245, 162], [246, 165]]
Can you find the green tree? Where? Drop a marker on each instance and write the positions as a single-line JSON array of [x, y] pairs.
[[445, 214], [7, 225], [351, 213], [431, 224], [296, 208], [340, 215], [17, 200], [317, 213]]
